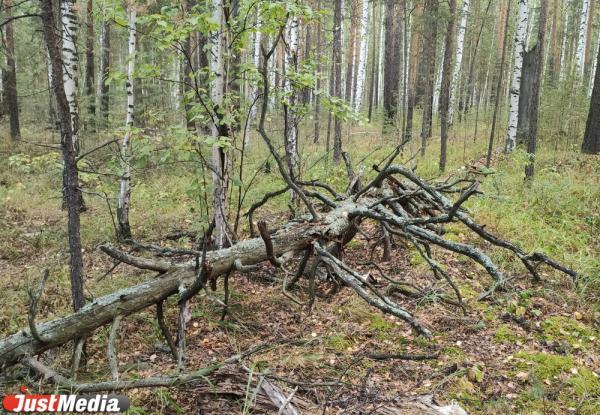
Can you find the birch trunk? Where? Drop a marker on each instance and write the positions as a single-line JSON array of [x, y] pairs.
[[445, 85], [291, 122], [594, 69], [460, 47], [103, 88], [337, 76], [220, 170], [362, 56], [123, 202], [581, 44], [438, 82], [563, 49], [515, 88], [71, 64], [256, 39]]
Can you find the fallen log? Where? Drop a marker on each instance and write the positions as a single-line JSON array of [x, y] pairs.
[[409, 207]]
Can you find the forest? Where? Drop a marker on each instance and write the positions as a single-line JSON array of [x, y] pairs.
[[300, 207]]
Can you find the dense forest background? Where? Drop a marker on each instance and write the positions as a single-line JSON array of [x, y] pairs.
[[180, 131]]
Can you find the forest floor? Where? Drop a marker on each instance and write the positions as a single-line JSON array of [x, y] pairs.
[[534, 349]]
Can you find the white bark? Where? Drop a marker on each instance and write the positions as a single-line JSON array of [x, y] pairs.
[[563, 49], [581, 42], [362, 56], [515, 88], [460, 47], [594, 69], [291, 62], [256, 39], [438, 82], [71, 65], [125, 188], [220, 170]]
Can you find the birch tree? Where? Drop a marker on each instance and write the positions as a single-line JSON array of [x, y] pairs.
[[220, 163], [460, 47], [581, 42], [594, 69], [102, 97], [124, 199], [89, 59], [515, 87], [291, 122], [445, 85], [71, 64], [362, 56]]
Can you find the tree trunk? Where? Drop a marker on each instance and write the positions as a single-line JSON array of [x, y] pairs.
[[318, 83], [350, 56], [220, 162], [72, 191], [515, 88], [102, 96], [591, 138], [429, 47], [498, 88], [70, 27], [291, 98], [374, 78], [415, 42], [589, 43], [392, 61], [89, 60], [563, 49], [581, 42], [362, 56], [10, 76], [594, 70], [445, 87], [124, 199], [535, 94], [337, 78], [460, 47]]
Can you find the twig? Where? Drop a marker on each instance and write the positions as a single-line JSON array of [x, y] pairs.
[[34, 299], [160, 317], [112, 353]]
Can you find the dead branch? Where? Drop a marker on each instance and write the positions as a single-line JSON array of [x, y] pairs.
[[112, 353], [34, 299]]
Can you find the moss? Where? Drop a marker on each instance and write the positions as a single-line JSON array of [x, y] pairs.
[[505, 334], [577, 387], [379, 324], [339, 342], [566, 329]]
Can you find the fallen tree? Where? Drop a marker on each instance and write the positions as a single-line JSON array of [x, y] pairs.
[[405, 205]]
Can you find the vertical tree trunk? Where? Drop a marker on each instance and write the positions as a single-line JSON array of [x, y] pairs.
[[318, 83], [445, 88], [535, 99], [337, 78], [102, 96], [591, 138], [362, 56], [563, 49], [589, 43], [554, 53], [581, 44], [429, 43], [256, 41], [68, 149], [124, 199], [415, 42], [351, 52], [220, 163], [70, 27], [291, 121], [89, 60], [498, 88], [374, 63], [515, 88], [437, 88], [594, 70], [11, 75], [460, 45], [392, 61]]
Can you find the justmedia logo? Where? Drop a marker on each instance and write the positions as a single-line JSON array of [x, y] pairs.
[[26, 402]]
